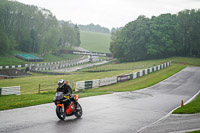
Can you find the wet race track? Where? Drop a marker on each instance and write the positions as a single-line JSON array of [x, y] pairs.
[[124, 112]]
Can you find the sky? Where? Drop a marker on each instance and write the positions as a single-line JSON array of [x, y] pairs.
[[111, 13]]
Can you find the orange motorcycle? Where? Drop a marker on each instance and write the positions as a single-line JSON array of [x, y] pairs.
[[65, 106]]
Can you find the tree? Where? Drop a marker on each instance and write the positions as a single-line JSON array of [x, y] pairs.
[[34, 41], [129, 44], [50, 41], [4, 43], [28, 28], [77, 31], [115, 44], [189, 32], [161, 41], [159, 37]]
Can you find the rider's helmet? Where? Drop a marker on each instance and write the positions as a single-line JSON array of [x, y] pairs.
[[61, 82]]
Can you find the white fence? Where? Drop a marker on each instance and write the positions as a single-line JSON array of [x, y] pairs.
[[80, 85], [107, 81], [10, 90]]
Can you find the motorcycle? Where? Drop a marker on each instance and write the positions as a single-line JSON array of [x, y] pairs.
[[66, 107]]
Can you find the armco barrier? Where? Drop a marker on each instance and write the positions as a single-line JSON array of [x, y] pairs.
[[40, 64], [141, 73], [138, 74], [10, 90], [107, 81], [80, 85], [135, 75], [112, 80], [123, 78], [95, 83], [152, 69], [88, 84]]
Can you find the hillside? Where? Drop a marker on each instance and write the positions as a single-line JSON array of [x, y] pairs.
[[95, 42], [94, 28]]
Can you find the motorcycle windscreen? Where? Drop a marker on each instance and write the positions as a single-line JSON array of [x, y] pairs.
[[59, 96]]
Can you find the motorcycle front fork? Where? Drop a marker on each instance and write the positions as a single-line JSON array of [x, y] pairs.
[[63, 108]]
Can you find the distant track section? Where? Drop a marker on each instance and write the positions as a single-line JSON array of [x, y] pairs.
[[85, 53]]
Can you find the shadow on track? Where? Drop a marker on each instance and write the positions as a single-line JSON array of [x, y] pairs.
[[68, 121]]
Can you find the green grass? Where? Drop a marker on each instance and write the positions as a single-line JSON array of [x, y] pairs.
[[127, 66], [190, 108], [62, 57], [142, 82], [95, 42], [195, 132], [30, 97], [29, 85], [187, 60], [20, 101], [145, 64], [12, 60]]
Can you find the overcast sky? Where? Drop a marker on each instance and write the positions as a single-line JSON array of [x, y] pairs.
[[111, 13]]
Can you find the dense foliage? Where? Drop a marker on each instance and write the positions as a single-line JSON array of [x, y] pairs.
[[32, 29], [159, 37]]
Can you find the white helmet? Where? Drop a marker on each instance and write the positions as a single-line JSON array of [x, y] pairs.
[[61, 82]]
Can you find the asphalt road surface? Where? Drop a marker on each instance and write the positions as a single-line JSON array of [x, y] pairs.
[[124, 112], [176, 123], [76, 68]]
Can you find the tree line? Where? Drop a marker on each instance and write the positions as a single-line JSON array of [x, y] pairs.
[[159, 37], [33, 29], [94, 28]]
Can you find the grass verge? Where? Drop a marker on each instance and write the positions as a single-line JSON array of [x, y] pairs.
[[195, 132], [190, 108], [12, 60], [20, 101]]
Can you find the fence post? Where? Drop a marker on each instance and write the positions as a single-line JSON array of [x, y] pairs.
[[39, 89]]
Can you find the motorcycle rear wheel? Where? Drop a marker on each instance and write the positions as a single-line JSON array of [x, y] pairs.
[[61, 115], [78, 113]]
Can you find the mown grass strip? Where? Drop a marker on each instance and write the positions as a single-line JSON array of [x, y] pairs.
[[190, 108], [20, 101], [195, 132]]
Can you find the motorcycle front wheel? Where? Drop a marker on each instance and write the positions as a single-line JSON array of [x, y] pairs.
[[78, 113], [61, 115]]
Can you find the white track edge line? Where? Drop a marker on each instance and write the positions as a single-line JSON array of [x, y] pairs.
[[164, 117]]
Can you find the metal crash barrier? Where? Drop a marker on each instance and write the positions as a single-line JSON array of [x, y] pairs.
[[10, 90]]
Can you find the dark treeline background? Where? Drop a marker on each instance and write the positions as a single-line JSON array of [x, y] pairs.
[[159, 37], [32, 29]]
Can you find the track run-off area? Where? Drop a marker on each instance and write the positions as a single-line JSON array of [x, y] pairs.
[[120, 112]]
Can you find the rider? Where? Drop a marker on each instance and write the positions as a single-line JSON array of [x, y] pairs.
[[66, 89]]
